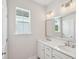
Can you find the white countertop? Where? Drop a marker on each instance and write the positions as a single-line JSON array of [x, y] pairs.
[[55, 43]]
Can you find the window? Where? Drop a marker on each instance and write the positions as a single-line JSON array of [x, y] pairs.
[[57, 24], [23, 21]]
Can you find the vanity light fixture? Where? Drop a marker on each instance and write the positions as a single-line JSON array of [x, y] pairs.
[[50, 14], [67, 3]]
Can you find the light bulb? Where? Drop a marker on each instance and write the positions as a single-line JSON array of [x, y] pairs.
[[49, 15]]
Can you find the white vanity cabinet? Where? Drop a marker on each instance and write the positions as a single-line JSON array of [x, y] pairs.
[[47, 52]]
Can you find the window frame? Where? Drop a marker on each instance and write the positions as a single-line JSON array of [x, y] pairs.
[[58, 20], [26, 10]]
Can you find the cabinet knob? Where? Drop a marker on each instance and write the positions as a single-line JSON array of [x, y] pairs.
[[3, 53], [53, 56]]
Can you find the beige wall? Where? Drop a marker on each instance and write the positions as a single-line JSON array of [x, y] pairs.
[[24, 46]]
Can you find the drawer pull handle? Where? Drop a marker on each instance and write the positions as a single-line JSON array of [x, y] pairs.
[[56, 56], [53, 56]]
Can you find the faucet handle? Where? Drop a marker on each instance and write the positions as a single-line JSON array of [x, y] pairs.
[[73, 46], [65, 44]]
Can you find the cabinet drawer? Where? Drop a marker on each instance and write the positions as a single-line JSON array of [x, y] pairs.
[[58, 55]]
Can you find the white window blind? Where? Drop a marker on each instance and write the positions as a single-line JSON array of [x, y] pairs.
[[23, 21]]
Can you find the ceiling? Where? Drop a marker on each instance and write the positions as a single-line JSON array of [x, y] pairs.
[[43, 2]]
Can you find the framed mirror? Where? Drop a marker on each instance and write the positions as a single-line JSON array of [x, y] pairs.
[[62, 26]]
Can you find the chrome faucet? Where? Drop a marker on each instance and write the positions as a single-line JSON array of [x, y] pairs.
[[67, 43], [70, 44]]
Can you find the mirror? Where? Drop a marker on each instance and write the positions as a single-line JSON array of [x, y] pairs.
[[61, 26]]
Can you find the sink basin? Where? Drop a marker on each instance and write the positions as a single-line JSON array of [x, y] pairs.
[[69, 50], [66, 48], [48, 39]]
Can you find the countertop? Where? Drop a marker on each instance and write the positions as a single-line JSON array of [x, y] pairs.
[[55, 43]]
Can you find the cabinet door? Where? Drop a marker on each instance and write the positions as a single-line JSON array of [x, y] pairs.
[[41, 50], [59, 55], [47, 52], [47, 56], [4, 30]]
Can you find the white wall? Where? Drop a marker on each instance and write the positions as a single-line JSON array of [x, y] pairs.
[[24, 46]]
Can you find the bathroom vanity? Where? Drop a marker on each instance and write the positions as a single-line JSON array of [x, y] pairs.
[[60, 38], [55, 49]]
